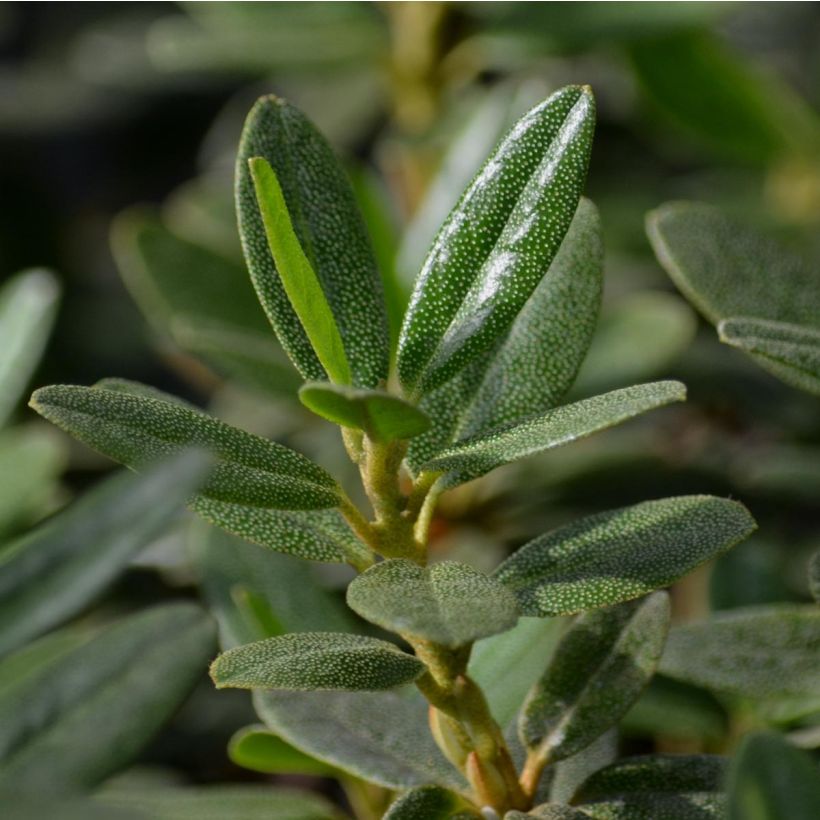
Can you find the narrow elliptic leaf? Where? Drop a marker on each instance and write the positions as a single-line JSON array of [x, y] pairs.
[[136, 429], [760, 652], [382, 737], [329, 231], [771, 780], [424, 803], [299, 280], [260, 750], [597, 672], [222, 803], [448, 603], [689, 806], [73, 721], [814, 576], [28, 306], [498, 242], [54, 571], [655, 774], [622, 554], [472, 458], [316, 660], [790, 351], [548, 811], [382, 416]]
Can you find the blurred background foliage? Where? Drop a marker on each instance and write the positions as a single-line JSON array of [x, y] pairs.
[[128, 115]]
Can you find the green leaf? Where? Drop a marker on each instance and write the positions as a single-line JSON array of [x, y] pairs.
[[474, 457], [536, 362], [30, 807], [448, 603], [382, 416], [759, 652], [597, 672], [317, 197], [54, 571], [814, 576], [498, 242], [28, 307], [424, 803], [382, 737], [136, 429], [316, 660], [691, 806], [549, 811], [74, 720], [560, 781], [771, 780], [622, 554], [789, 351], [259, 750]]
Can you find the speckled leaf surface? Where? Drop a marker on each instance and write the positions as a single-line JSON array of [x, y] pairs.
[[58, 568], [771, 780], [621, 554], [449, 603], [598, 671], [382, 416], [331, 234], [382, 737], [424, 803], [691, 806], [789, 351], [83, 714], [499, 240], [134, 430], [759, 652], [561, 781], [549, 811], [474, 457], [316, 660]]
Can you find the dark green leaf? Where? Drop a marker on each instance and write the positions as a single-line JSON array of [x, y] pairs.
[[53, 572], [315, 660], [259, 750], [77, 718], [760, 652], [448, 603], [560, 781], [18, 806], [498, 242], [382, 416], [622, 554], [329, 231], [597, 672], [691, 806], [472, 458], [771, 780], [549, 811], [136, 429], [424, 803], [814, 576]]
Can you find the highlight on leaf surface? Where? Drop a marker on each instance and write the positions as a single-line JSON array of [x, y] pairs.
[[622, 554], [316, 660]]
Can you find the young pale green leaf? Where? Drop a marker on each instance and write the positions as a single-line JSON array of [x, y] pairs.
[[330, 234], [424, 803], [316, 660], [259, 750], [597, 672], [136, 429], [814, 576], [498, 242], [382, 737], [622, 554], [449, 603], [534, 365], [771, 780], [379, 414], [78, 717], [760, 652], [789, 351], [28, 306], [53, 572], [689, 806], [300, 283], [472, 458]]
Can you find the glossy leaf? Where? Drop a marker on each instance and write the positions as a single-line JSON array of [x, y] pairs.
[[259, 750], [82, 715], [382, 416], [690, 806], [315, 660], [600, 667], [472, 458], [622, 554], [28, 306], [54, 571], [498, 242], [771, 780], [135, 429], [329, 231], [759, 652], [424, 803], [448, 603]]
